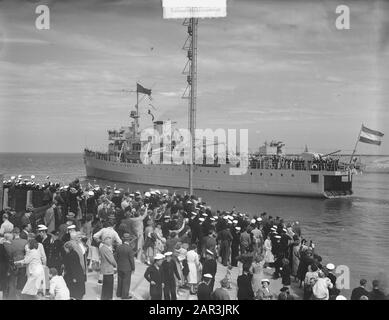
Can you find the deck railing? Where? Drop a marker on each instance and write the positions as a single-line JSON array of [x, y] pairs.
[[263, 164]]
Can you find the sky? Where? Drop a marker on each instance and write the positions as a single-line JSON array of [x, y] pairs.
[[280, 69]]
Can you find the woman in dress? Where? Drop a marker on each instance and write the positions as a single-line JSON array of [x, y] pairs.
[[74, 274], [269, 258], [295, 256], [149, 241], [257, 271], [179, 256], [94, 255], [160, 240], [35, 271], [194, 268]]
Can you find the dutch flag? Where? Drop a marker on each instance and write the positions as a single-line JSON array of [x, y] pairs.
[[370, 136]]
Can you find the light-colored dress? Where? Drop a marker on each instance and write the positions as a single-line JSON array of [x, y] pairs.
[[35, 273], [269, 258], [296, 259], [193, 264], [257, 270], [160, 242]]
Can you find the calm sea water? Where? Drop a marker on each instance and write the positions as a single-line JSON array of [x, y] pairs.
[[351, 232]]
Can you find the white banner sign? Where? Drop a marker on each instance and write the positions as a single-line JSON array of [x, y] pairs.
[[181, 9]]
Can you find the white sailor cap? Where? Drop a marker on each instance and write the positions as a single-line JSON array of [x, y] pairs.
[[72, 227], [42, 227], [132, 195], [152, 192], [212, 219], [157, 191], [189, 201], [252, 221], [277, 236], [204, 215], [194, 213], [32, 177], [229, 222], [147, 194], [201, 219], [167, 254], [265, 280], [235, 221], [208, 275], [273, 228], [209, 252], [238, 228], [259, 219], [116, 191], [91, 193], [225, 217], [330, 266], [19, 176], [159, 256]]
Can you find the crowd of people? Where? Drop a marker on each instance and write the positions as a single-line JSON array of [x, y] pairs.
[[48, 251], [294, 163]]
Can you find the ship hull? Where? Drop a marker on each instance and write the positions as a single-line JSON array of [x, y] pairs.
[[256, 181]]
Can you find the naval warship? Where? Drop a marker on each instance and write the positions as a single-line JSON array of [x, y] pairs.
[[269, 170]]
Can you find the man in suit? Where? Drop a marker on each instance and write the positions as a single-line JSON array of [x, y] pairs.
[[16, 252], [108, 263], [154, 275], [204, 291], [124, 256], [169, 269], [360, 291], [224, 238]]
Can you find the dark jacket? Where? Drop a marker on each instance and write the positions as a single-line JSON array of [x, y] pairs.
[[73, 268], [156, 275], [124, 256], [376, 294], [245, 289], [209, 266], [204, 291], [358, 293], [169, 269]]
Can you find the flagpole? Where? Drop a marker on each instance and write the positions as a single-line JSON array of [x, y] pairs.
[[356, 143], [137, 110]]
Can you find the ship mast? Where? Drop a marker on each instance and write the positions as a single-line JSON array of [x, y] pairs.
[[191, 71]]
